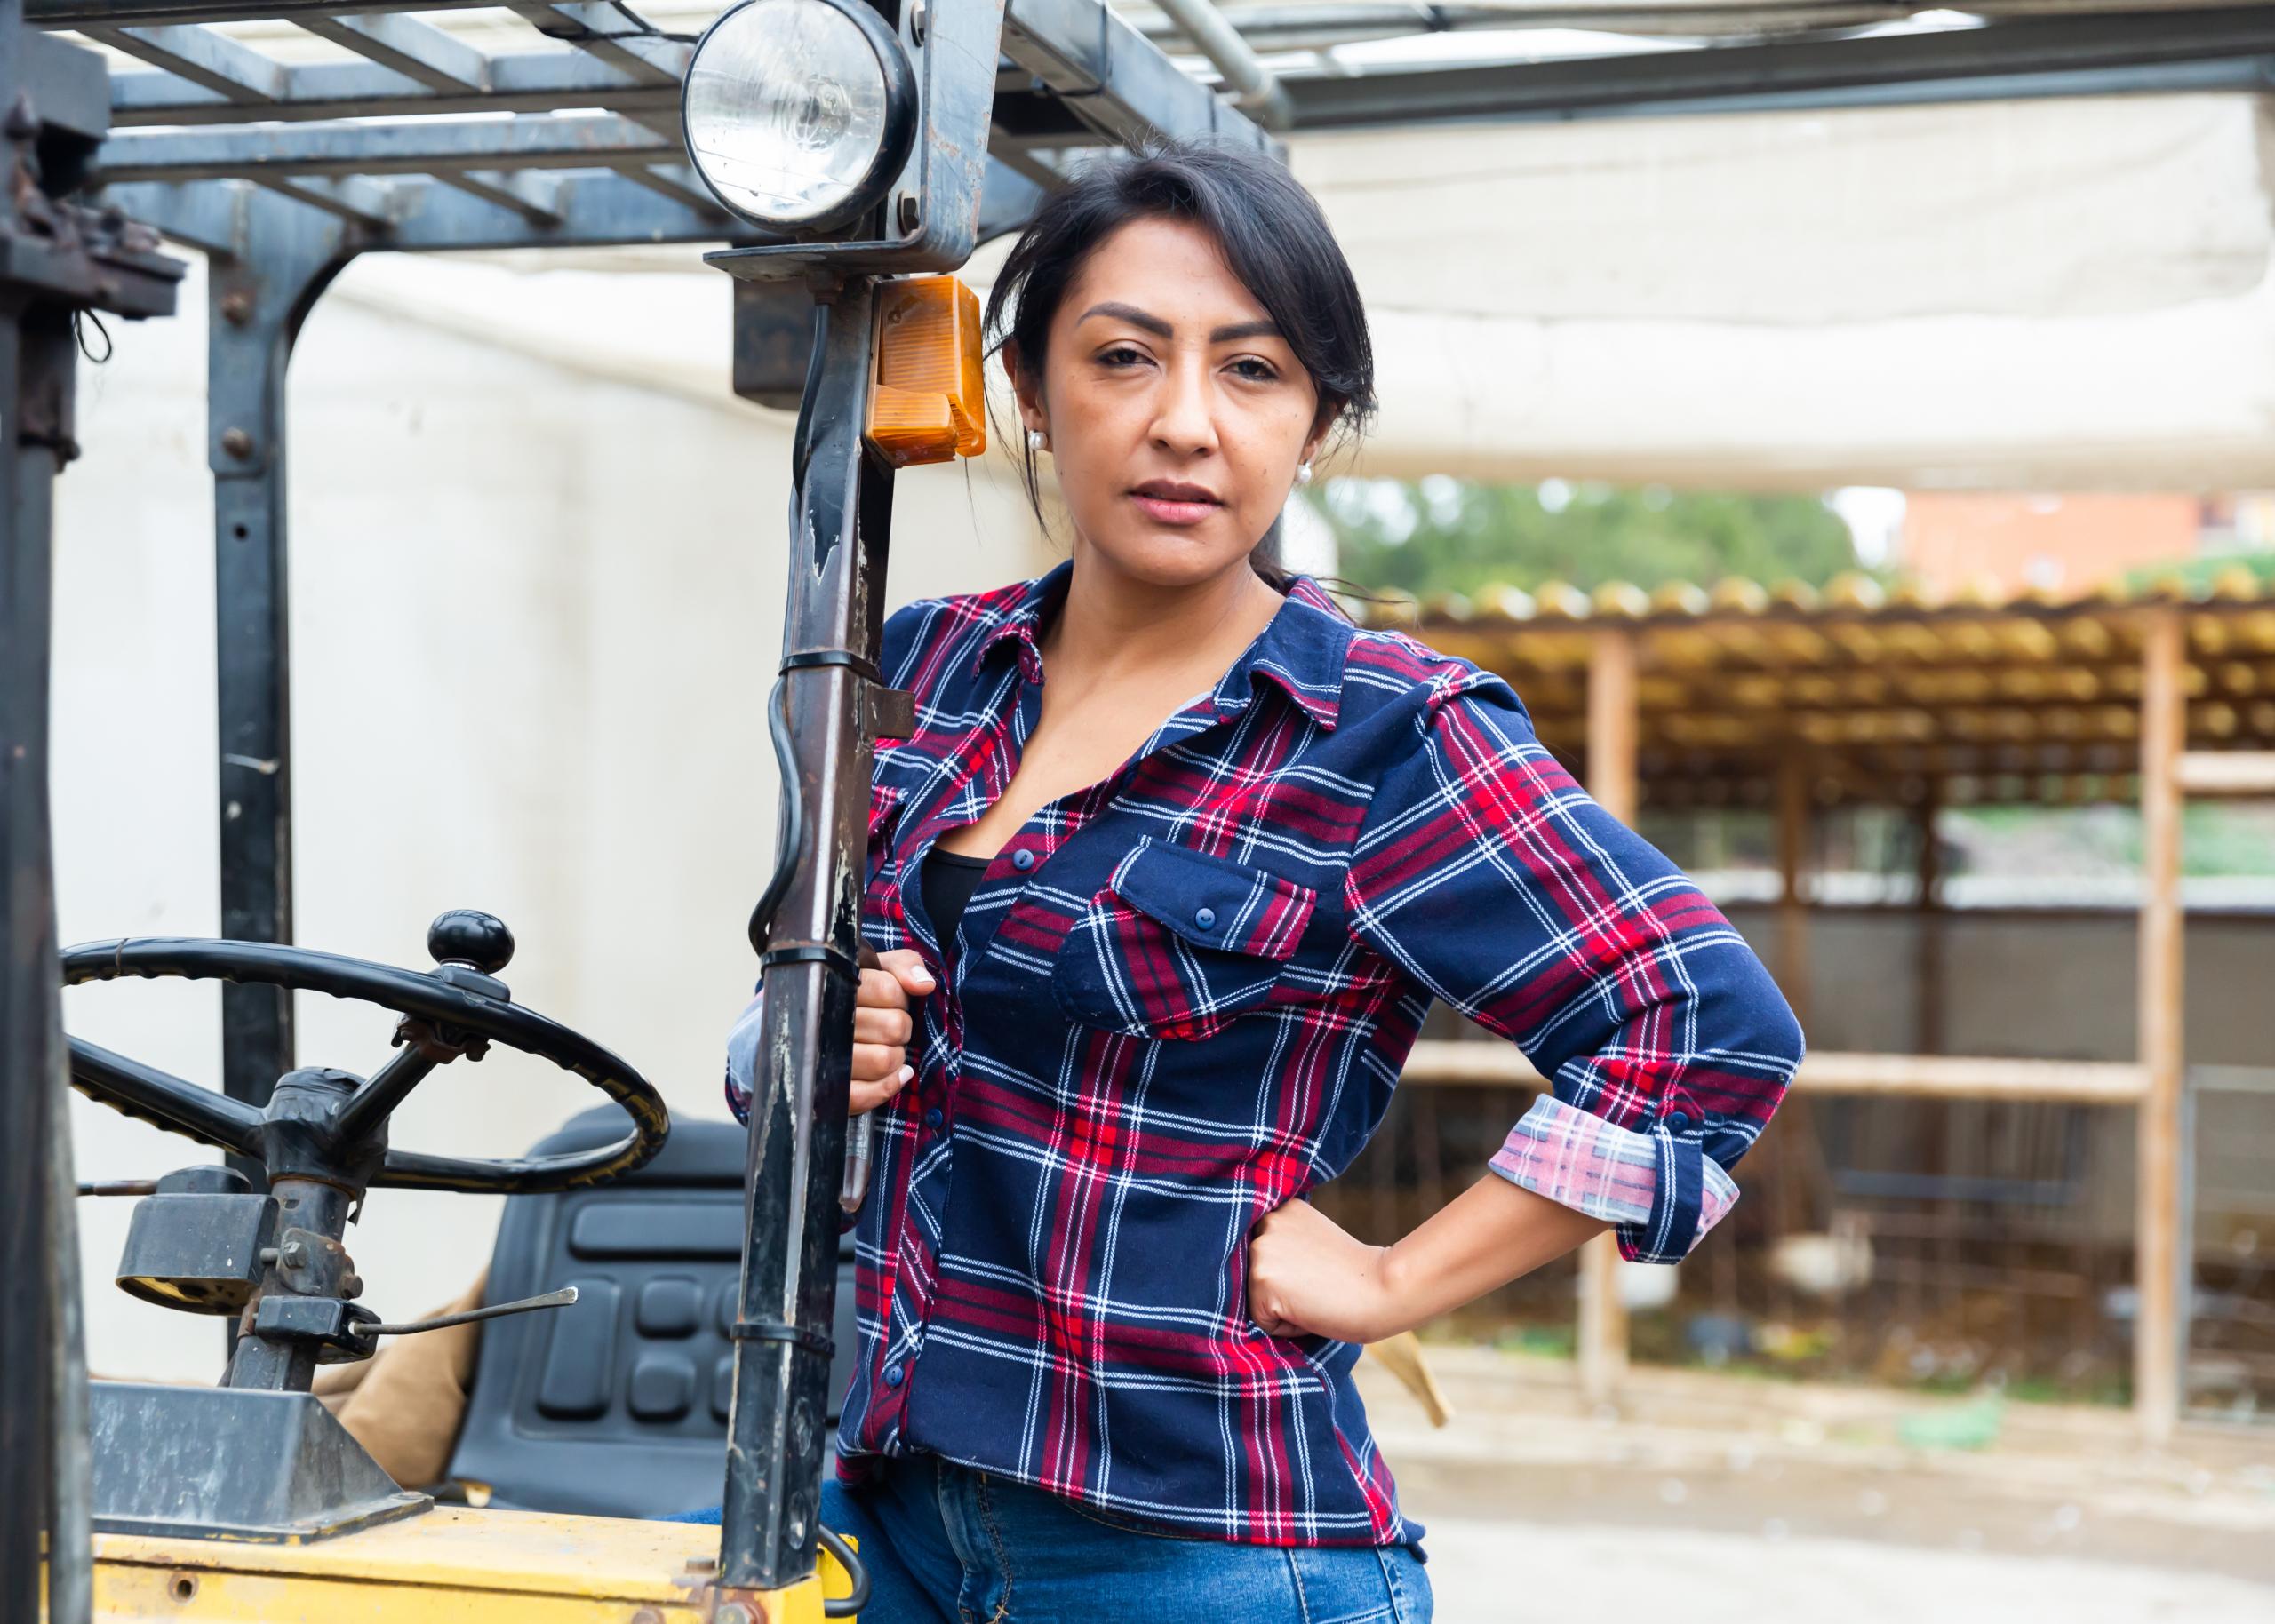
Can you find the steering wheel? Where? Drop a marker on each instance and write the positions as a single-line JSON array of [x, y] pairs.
[[456, 1009]]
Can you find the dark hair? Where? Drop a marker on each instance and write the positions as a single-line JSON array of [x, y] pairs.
[[1274, 238]]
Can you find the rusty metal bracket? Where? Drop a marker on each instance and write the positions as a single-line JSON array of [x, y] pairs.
[[891, 711]]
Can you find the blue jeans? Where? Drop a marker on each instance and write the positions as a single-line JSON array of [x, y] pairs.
[[945, 1544]]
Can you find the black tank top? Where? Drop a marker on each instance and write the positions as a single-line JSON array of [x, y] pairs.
[[950, 878]]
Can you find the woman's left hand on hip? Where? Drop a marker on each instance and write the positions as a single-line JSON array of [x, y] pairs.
[[1307, 1274]]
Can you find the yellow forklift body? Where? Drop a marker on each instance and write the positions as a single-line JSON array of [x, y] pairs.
[[450, 1566]]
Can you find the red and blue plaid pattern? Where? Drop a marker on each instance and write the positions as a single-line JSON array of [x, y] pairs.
[[1182, 997]]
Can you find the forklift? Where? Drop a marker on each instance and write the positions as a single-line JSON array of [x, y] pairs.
[[841, 149], [852, 154]]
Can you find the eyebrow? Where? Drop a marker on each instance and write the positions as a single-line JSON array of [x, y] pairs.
[[1264, 329]]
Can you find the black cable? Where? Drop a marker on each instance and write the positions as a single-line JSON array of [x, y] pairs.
[[801, 437], [793, 810], [642, 25], [578, 34], [81, 320], [791, 833], [845, 1606]]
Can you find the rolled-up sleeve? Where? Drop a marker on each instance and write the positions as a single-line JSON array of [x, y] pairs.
[[742, 1055], [1486, 873]]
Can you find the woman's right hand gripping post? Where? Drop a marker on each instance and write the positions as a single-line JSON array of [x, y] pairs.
[[883, 1026]]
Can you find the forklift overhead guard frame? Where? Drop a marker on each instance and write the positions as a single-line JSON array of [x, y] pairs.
[[281, 173], [280, 208]]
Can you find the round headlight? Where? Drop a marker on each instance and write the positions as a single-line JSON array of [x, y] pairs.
[[799, 113]]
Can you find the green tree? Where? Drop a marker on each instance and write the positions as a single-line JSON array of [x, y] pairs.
[[1441, 535], [2198, 574]]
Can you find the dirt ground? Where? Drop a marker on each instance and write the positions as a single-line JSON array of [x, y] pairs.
[[1733, 1499]]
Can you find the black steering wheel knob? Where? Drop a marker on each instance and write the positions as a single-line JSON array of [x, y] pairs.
[[468, 936]]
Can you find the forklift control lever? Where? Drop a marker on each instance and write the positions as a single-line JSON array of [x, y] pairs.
[[561, 1299]]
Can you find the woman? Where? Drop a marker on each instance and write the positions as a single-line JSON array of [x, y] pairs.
[[1157, 933]]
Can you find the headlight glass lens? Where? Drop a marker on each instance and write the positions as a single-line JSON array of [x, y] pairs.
[[785, 109]]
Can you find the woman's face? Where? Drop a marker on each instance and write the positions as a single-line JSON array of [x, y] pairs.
[[1175, 412]]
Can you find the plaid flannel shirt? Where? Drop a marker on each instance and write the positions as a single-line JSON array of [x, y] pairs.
[[1183, 995]]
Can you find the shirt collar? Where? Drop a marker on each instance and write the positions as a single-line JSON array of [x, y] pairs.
[[1017, 616], [1301, 652]]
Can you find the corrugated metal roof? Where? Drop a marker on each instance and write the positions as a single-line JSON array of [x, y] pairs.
[[1883, 697]]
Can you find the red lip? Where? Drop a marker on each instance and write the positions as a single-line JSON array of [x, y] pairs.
[[1172, 490]]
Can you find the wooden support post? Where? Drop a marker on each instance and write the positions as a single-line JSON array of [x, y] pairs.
[[1927, 949], [2157, 1223], [1611, 780], [1792, 907], [1790, 1166]]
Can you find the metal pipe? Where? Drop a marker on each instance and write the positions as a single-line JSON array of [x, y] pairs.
[[285, 1366], [369, 1106], [70, 1547], [29, 982], [1257, 91], [1311, 27], [257, 297], [563, 1298], [77, 261], [786, 1300]]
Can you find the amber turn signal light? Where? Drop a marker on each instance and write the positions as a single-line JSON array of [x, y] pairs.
[[927, 405]]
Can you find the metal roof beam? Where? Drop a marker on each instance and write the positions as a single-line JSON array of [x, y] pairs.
[[418, 51], [675, 181], [608, 34], [356, 199], [436, 147], [520, 82], [534, 195], [1303, 26], [86, 14], [591, 208], [2083, 54], [1113, 79], [233, 72], [595, 209]]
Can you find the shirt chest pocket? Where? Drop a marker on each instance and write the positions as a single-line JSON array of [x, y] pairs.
[[1178, 944]]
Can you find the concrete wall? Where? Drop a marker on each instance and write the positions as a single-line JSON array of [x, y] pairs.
[[536, 604], [2032, 542], [2056, 985], [2060, 986]]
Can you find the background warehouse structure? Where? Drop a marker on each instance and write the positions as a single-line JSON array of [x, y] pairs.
[[1805, 704]]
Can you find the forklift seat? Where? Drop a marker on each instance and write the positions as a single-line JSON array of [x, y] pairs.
[[617, 1406]]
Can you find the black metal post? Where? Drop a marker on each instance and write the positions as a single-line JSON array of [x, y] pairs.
[[257, 298], [842, 521], [56, 259], [30, 1056]]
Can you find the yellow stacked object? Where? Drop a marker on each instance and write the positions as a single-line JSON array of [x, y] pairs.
[[452, 1566]]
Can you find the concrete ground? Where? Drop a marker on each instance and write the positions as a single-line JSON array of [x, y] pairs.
[[1716, 1498]]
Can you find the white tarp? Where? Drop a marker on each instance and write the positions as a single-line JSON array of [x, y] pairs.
[[2047, 294], [2054, 294]]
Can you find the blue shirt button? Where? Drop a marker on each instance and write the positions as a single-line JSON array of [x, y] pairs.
[[1206, 918], [894, 1375], [1677, 1122], [1023, 859], [935, 1117]]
